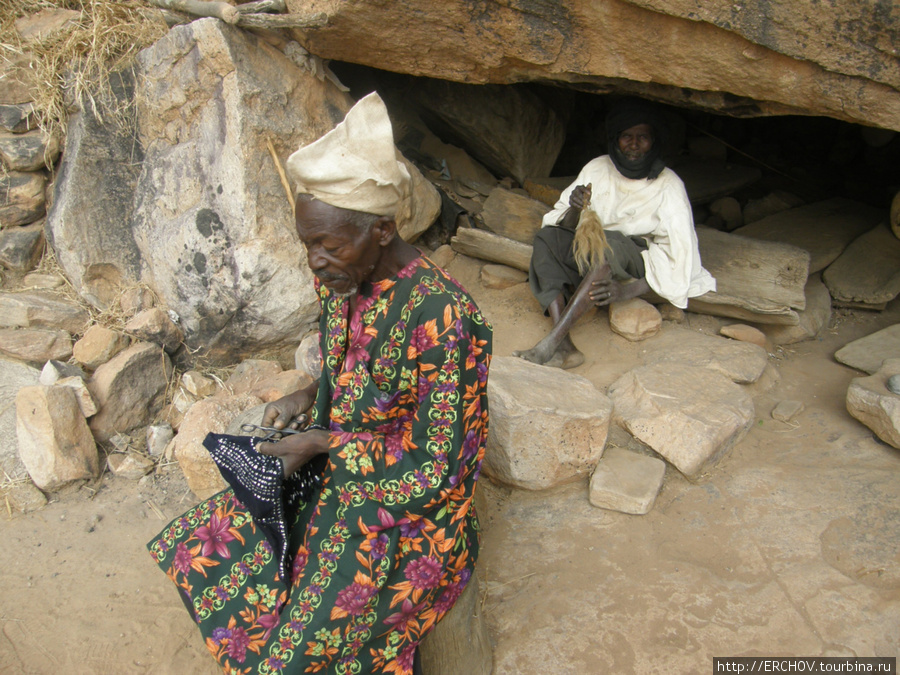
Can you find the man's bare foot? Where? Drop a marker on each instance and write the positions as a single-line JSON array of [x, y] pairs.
[[541, 353]]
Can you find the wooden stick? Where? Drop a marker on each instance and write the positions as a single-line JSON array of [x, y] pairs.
[[214, 8], [261, 6], [318, 20], [284, 180]]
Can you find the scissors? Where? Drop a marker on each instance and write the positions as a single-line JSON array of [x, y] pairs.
[[273, 434]]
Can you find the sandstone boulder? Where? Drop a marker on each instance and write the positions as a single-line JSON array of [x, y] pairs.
[[212, 415], [499, 277], [129, 465], [307, 357], [55, 443], [744, 333], [250, 374], [691, 416], [548, 426], [130, 389]]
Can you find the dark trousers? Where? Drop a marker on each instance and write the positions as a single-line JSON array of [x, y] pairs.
[[553, 268]]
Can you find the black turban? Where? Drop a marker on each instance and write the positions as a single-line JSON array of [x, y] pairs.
[[623, 115]]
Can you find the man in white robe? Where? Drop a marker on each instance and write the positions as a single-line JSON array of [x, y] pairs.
[[647, 222]]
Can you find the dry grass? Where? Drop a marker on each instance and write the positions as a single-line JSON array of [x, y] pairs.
[[72, 67]]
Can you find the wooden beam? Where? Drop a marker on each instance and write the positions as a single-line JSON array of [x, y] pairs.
[[488, 246]]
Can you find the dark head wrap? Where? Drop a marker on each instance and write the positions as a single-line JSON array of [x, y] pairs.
[[623, 115]]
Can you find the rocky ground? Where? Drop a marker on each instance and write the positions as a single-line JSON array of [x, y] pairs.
[[790, 545]]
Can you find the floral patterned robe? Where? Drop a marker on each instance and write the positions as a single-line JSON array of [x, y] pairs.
[[391, 541]]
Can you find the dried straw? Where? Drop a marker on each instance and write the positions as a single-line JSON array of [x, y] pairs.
[[72, 67], [590, 241]]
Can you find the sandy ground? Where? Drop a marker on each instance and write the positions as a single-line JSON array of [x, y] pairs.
[[789, 546]]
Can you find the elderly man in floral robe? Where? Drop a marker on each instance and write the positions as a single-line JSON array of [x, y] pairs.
[[386, 542]]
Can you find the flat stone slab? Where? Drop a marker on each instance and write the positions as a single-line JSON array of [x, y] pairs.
[[785, 411], [869, 401], [626, 481], [812, 319], [548, 426], [706, 181], [868, 271], [865, 546], [691, 416], [868, 353], [741, 362], [824, 229]]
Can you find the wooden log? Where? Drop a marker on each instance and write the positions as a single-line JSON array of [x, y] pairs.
[[317, 20], [213, 8], [261, 6], [460, 642], [765, 277], [492, 247]]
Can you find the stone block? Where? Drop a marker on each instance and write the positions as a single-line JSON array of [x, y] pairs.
[[21, 247], [98, 345], [198, 384], [129, 465], [55, 443], [499, 277], [626, 481], [249, 374], [634, 319], [155, 325], [130, 389], [689, 415], [35, 345], [22, 198], [869, 352], [41, 310], [548, 426], [741, 362], [744, 333], [785, 411]]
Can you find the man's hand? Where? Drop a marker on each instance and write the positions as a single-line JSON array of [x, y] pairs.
[[609, 290], [297, 449], [282, 413], [580, 197]]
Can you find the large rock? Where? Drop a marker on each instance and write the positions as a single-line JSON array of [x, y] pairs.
[[155, 325], [13, 376], [210, 96], [758, 58], [55, 443], [824, 228], [88, 226], [740, 362], [691, 416], [868, 271], [869, 352], [634, 319], [548, 426], [130, 389], [212, 415], [98, 345], [869, 401], [510, 130]]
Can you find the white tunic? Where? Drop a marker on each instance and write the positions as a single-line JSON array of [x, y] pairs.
[[657, 210]]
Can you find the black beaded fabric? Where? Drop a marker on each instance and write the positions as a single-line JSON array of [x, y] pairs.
[[259, 484]]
